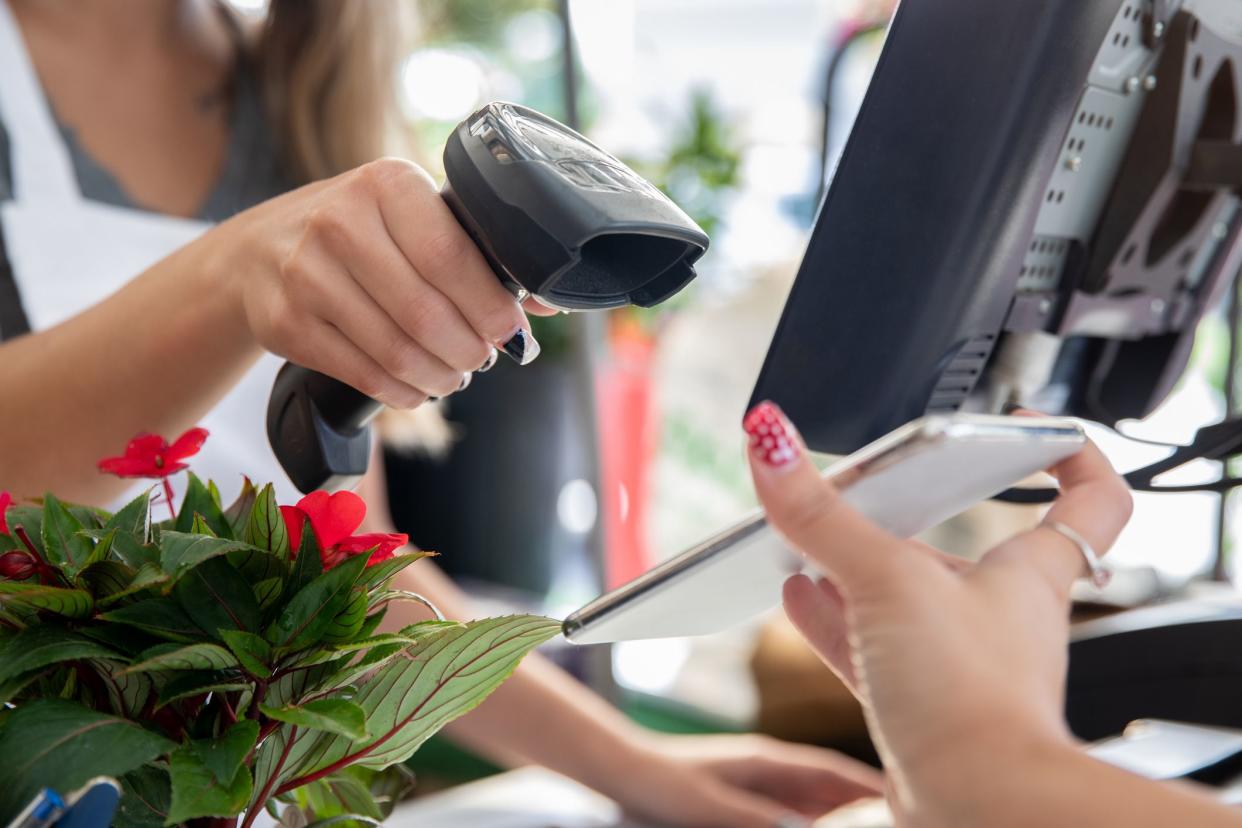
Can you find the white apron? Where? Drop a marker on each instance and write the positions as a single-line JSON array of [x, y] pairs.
[[68, 253]]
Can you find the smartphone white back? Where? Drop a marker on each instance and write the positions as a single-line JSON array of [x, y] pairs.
[[908, 481]]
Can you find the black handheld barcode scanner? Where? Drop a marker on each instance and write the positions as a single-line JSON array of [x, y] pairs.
[[555, 216]]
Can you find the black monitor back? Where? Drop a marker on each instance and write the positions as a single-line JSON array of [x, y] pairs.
[[915, 255]]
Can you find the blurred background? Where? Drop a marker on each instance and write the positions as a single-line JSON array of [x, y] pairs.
[[621, 445]]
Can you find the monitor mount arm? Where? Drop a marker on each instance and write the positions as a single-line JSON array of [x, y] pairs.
[[1184, 159]]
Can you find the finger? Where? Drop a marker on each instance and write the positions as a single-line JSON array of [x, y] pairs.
[[338, 297], [1094, 501], [418, 307], [534, 307], [836, 777], [329, 351], [808, 511], [818, 614], [435, 243]]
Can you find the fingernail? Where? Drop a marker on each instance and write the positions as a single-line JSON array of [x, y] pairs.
[[522, 347], [465, 381], [489, 362], [433, 399], [773, 438]]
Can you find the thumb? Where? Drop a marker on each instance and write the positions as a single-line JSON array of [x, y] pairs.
[[809, 511]]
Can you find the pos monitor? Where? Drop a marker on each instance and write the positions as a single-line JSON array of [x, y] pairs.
[[1036, 205]]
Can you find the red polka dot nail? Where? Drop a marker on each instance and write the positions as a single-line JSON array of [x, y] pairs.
[[772, 437]]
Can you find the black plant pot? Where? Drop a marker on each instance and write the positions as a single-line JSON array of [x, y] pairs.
[[497, 507]]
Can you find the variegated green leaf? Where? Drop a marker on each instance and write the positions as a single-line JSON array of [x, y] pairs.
[[333, 715], [71, 603], [266, 527], [193, 657]]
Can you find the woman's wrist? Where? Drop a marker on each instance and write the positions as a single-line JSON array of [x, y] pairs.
[[978, 778]]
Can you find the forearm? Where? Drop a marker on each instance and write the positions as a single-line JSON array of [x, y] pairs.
[[155, 356], [541, 715], [1064, 786]]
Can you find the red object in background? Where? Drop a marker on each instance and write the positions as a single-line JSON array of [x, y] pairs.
[[6, 500], [629, 433], [150, 455]]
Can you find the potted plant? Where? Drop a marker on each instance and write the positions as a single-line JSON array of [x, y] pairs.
[[225, 659]]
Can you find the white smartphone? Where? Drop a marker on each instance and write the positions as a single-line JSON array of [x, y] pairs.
[[910, 480]]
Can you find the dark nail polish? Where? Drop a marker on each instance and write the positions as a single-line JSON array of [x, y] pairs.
[[522, 347], [433, 399], [465, 381], [772, 437], [489, 363]]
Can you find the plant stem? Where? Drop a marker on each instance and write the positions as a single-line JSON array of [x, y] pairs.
[[168, 494], [261, 800]]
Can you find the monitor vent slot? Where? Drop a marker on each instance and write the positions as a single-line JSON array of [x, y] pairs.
[[961, 375]]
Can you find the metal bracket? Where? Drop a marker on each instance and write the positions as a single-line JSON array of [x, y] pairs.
[[1156, 22]]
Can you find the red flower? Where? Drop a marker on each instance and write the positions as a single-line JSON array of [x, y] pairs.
[[17, 565], [334, 517], [6, 500], [150, 455]]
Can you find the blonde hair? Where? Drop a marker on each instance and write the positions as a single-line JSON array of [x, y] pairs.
[[328, 73]]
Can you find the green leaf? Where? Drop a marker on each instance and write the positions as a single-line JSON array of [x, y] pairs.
[[252, 651], [200, 527], [181, 552], [148, 576], [133, 517], [238, 512], [333, 715], [146, 799], [309, 562], [127, 547], [266, 527], [128, 693], [217, 597], [71, 603], [344, 795], [43, 644], [60, 744], [197, 793], [372, 623], [225, 754], [379, 574], [30, 518], [267, 591], [198, 502], [162, 616], [197, 683], [348, 622], [104, 579], [310, 612], [61, 538], [451, 671], [193, 657]]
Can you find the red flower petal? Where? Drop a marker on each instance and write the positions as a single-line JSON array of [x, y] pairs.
[[334, 517], [331, 557], [6, 500], [383, 544], [146, 446], [295, 518], [187, 445], [129, 466]]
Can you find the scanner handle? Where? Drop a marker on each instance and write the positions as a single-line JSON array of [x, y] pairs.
[[317, 425]]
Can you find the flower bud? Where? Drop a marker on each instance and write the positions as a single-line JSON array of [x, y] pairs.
[[17, 565]]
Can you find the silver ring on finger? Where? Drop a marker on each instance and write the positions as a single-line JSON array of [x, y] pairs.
[[1098, 575]]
